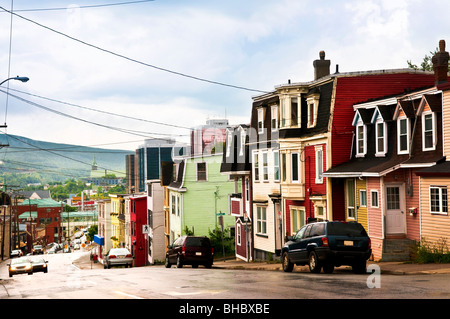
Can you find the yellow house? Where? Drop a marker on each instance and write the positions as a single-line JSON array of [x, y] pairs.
[[117, 220]]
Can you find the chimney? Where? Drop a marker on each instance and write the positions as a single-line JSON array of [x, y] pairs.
[[440, 64], [321, 67]]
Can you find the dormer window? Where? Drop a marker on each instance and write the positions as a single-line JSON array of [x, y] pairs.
[[260, 121], [381, 138], [403, 135], [360, 140], [274, 121], [428, 131], [313, 104]]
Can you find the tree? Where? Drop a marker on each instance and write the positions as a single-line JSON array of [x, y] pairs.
[[426, 64]]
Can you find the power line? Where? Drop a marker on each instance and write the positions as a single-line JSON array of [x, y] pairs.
[[84, 7], [100, 111], [134, 60], [127, 131]]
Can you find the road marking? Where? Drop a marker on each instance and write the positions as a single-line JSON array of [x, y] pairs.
[[127, 295]]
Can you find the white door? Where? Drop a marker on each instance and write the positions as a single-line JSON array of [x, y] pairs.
[[395, 215]]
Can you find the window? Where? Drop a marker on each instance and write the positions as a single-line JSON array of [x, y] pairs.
[[381, 138], [294, 168], [298, 219], [283, 113], [178, 205], [319, 212], [311, 115], [294, 112], [173, 204], [260, 121], [261, 220], [362, 198], [276, 166], [360, 140], [238, 234], [403, 136], [312, 102], [393, 197], [438, 200], [201, 172], [351, 198], [283, 166], [243, 136], [374, 199], [265, 167], [274, 121], [319, 165], [256, 166], [428, 139]]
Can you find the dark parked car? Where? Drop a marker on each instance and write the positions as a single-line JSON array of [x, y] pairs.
[[190, 250], [327, 245], [21, 265], [39, 264]]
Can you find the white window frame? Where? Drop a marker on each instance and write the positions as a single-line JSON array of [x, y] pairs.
[[265, 161], [362, 194], [229, 143], [276, 166], [261, 221], [372, 196], [377, 137], [242, 136], [312, 103], [300, 213], [274, 116], [441, 210], [238, 234], [260, 120], [354, 200], [399, 120], [363, 140], [283, 113], [256, 168], [433, 131], [319, 164], [298, 168]]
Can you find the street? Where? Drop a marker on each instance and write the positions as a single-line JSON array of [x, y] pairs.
[[64, 280]]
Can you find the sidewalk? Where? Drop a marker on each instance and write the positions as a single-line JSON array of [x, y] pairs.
[[395, 268]]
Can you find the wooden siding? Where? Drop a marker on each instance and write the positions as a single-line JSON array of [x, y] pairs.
[[357, 89], [375, 217], [446, 122], [361, 212], [435, 227]]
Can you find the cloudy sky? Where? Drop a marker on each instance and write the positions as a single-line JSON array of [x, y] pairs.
[[100, 61]]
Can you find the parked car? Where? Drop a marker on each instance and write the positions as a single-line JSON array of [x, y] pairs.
[[38, 249], [16, 253], [190, 250], [327, 245], [118, 257], [39, 264], [21, 265]]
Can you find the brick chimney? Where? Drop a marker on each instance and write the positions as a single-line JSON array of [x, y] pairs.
[[440, 64], [321, 67]]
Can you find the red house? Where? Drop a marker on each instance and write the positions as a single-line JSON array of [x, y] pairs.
[[46, 219], [139, 239]]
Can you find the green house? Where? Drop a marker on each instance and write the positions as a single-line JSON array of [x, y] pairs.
[[198, 198]]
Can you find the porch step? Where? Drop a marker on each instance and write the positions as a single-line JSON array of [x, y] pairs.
[[397, 249]]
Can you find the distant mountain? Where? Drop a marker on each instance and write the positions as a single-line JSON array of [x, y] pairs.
[[45, 161]]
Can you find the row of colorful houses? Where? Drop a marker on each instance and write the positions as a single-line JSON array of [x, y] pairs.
[[365, 146]]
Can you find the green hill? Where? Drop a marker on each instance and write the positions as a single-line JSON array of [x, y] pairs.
[[27, 161]]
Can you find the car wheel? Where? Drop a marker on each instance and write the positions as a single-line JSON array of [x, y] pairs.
[[179, 263], [46, 271], [10, 275], [208, 265], [328, 268], [167, 264], [314, 264], [359, 267], [195, 266], [287, 265]]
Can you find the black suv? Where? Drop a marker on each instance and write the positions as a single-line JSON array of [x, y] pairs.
[[326, 245], [190, 250]]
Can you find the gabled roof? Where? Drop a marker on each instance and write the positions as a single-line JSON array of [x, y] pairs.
[[365, 115], [383, 111], [434, 101]]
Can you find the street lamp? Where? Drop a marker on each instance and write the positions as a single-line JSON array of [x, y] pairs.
[[19, 78]]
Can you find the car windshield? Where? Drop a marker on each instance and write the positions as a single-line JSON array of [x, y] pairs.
[[38, 247], [38, 260], [197, 242], [20, 261], [346, 229]]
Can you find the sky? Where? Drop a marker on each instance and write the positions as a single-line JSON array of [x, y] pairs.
[[113, 75]]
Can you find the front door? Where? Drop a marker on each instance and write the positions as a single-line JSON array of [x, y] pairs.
[[395, 215]]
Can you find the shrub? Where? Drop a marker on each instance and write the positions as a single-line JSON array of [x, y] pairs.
[[437, 252]]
